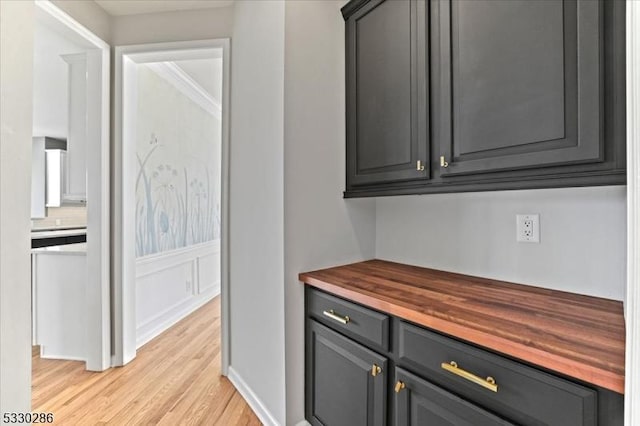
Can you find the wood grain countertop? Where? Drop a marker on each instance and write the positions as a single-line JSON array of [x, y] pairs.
[[578, 336]]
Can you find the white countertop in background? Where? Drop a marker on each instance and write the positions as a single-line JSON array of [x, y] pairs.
[[74, 249], [58, 233]]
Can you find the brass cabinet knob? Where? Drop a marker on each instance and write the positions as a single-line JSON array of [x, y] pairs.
[[399, 386], [375, 370]]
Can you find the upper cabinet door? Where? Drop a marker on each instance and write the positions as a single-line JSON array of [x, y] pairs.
[[519, 84], [387, 91]]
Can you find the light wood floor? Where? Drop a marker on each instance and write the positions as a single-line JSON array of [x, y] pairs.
[[174, 380]]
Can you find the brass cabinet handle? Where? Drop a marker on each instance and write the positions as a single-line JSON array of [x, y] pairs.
[[420, 166], [443, 163], [399, 386], [488, 383], [375, 370], [331, 314]]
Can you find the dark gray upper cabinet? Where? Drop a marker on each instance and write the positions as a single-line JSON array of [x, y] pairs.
[[520, 84], [497, 94], [387, 126]]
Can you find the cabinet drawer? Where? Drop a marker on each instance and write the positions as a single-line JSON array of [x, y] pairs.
[[419, 402], [525, 395], [363, 324]]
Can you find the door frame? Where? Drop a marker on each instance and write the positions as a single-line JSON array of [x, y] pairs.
[[97, 301], [632, 301], [123, 181]]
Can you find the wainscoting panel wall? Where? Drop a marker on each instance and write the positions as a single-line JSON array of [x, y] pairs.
[[171, 285]]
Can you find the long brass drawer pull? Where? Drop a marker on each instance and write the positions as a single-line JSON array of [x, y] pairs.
[[331, 314], [488, 383]]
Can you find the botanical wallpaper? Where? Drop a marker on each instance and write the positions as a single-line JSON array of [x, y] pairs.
[[178, 177]]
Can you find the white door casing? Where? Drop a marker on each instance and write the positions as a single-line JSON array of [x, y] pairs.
[[124, 149]]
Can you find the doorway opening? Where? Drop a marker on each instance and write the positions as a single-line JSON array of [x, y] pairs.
[[170, 189], [70, 192]]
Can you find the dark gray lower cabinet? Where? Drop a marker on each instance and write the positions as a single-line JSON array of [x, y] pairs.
[[420, 403], [349, 379], [347, 383]]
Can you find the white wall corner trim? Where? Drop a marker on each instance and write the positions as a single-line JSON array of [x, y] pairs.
[[187, 86], [632, 305], [252, 399]]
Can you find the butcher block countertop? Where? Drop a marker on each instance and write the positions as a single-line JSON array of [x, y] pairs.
[[578, 336]]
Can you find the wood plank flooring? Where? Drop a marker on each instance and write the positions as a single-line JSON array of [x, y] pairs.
[[174, 380]]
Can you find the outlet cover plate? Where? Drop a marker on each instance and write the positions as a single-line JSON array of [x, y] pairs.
[[528, 228]]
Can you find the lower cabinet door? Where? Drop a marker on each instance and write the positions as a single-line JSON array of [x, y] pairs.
[[346, 382], [420, 403]]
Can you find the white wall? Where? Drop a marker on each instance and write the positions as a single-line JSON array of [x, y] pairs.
[[89, 14], [582, 236], [321, 228], [256, 254], [172, 26], [178, 189], [16, 80]]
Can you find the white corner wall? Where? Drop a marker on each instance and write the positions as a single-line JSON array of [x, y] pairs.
[[582, 236], [16, 81], [321, 228], [256, 257]]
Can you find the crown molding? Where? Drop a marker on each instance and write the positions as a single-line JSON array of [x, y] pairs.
[[176, 76]]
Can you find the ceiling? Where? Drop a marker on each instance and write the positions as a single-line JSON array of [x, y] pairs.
[[137, 7]]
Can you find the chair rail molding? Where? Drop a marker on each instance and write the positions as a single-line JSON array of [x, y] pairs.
[[632, 302]]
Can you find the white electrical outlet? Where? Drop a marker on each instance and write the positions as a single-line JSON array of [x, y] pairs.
[[528, 228]]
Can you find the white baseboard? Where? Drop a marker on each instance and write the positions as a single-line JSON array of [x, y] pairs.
[[252, 399], [171, 316], [303, 423], [45, 355]]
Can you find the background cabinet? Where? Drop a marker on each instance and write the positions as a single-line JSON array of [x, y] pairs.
[[75, 184], [487, 95]]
